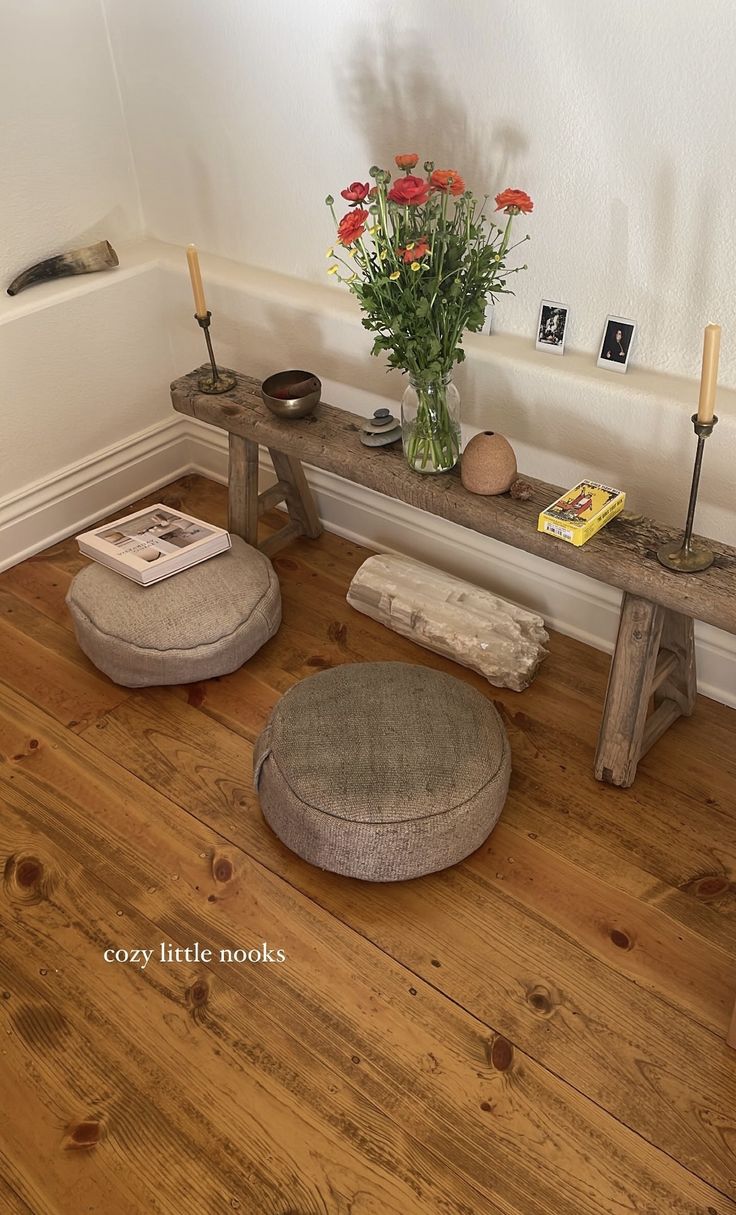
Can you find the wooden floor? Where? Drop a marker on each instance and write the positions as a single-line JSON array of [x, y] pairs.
[[538, 1031]]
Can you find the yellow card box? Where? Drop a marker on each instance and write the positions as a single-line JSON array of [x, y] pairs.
[[581, 512]]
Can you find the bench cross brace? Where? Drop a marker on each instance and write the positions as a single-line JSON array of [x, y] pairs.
[[246, 505], [654, 661]]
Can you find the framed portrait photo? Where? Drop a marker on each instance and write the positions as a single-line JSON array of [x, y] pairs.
[[618, 338], [551, 327]]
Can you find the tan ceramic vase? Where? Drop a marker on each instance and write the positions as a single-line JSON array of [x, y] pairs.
[[488, 464]]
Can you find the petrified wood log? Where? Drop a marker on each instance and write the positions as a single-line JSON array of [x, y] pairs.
[[101, 256], [505, 643]]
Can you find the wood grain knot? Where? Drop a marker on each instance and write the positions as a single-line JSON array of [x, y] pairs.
[[337, 632], [198, 994], [620, 939], [28, 871], [223, 869], [540, 999], [27, 878], [195, 695], [83, 1135], [708, 886], [501, 1054], [319, 661]]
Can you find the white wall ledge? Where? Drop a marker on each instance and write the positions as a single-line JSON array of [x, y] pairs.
[[502, 349]]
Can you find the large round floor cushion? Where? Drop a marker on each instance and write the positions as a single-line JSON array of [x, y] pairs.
[[204, 622], [382, 770]]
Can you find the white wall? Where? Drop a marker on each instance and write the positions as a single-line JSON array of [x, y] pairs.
[[84, 360], [68, 176], [618, 122], [81, 374], [616, 117]]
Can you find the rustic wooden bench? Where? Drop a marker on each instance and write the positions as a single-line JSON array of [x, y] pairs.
[[652, 679]]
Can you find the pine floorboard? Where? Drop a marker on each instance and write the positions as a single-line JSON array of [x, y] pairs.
[[537, 1031]]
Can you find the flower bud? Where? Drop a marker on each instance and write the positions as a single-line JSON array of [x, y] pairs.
[[329, 200], [428, 166]]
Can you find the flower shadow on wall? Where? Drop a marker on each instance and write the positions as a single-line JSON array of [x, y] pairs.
[[395, 90]]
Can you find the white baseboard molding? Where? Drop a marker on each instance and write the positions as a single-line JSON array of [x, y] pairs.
[[49, 511], [570, 603]]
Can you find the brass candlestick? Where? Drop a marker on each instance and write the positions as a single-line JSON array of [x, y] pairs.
[[218, 381], [686, 557]]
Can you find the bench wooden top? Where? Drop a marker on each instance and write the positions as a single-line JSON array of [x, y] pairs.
[[623, 554]]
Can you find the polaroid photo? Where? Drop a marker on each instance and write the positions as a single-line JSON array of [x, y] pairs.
[[551, 327], [618, 338]]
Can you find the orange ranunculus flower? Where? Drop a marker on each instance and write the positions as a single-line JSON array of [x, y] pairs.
[[448, 181], [407, 160], [409, 191], [352, 226], [514, 201], [356, 192], [415, 251]]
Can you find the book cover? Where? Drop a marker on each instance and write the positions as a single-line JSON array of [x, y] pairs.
[[581, 512], [154, 543]]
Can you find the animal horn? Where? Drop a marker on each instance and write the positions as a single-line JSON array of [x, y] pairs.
[[101, 256]]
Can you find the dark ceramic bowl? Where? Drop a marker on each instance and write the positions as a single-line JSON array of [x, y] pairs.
[[291, 394]]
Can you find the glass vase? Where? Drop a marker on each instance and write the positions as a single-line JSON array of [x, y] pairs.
[[430, 423]]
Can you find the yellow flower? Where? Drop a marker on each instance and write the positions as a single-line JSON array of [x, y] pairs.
[[351, 279], [395, 274], [416, 266], [381, 255], [373, 230], [333, 269], [330, 253], [411, 246]]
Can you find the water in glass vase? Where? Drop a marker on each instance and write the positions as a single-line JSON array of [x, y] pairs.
[[430, 423]]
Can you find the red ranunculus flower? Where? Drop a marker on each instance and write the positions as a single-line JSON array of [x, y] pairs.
[[448, 181], [406, 160], [356, 192], [352, 226], [419, 249], [409, 191], [514, 201]]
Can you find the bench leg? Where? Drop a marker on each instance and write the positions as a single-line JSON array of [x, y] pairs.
[[242, 489], [654, 657], [299, 500], [293, 489], [245, 504]]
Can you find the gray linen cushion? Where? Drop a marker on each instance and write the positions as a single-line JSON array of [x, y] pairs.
[[203, 622], [382, 770]]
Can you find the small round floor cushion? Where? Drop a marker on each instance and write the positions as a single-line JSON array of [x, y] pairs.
[[203, 622], [382, 770]]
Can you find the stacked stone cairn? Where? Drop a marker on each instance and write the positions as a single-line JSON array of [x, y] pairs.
[[380, 430]]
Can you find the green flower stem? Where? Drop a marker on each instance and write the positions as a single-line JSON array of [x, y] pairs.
[[384, 221]]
